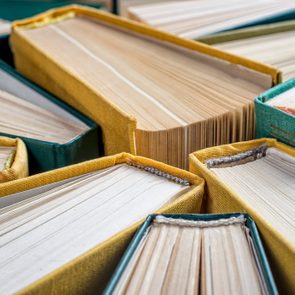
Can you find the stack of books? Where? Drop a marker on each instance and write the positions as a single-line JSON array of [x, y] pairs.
[[193, 19], [167, 99], [164, 103]]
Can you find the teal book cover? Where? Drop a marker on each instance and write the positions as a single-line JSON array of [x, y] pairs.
[[272, 121]]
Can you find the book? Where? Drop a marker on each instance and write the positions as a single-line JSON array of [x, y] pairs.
[[270, 44], [4, 27], [267, 192], [256, 177], [13, 159], [55, 134], [275, 113], [194, 19], [51, 227], [168, 98], [194, 254], [36, 122]]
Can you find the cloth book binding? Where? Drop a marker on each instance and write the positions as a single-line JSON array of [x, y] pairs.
[[194, 254], [256, 177], [117, 88], [275, 113], [13, 159], [65, 230], [55, 134], [276, 39], [194, 19]]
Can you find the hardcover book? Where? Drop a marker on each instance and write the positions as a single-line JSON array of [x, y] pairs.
[[65, 230], [54, 133], [153, 94], [256, 177], [194, 254]]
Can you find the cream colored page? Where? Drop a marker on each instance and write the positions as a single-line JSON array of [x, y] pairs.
[[43, 233], [275, 49], [193, 257], [22, 118], [167, 262], [141, 83], [285, 99], [8, 83], [268, 186], [192, 19]]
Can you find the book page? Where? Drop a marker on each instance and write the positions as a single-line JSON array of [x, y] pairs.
[[10, 84], [193, 19], [21, 118], [267, 185], [284, 101], [275, 49], [180, 256], [43, 232]]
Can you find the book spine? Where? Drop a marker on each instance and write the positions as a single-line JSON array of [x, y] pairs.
[[161, 173]]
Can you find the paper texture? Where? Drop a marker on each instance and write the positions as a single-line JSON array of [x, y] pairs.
[[147, 98], [180, 256], [193, 19], [46, 230]]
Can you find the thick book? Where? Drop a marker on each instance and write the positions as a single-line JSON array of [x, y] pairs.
[[194, 254], [272, 44], [13, 159], [65, 230], [256, 177], [153, 94], [196, 18], [275, 113], [55, 134]]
